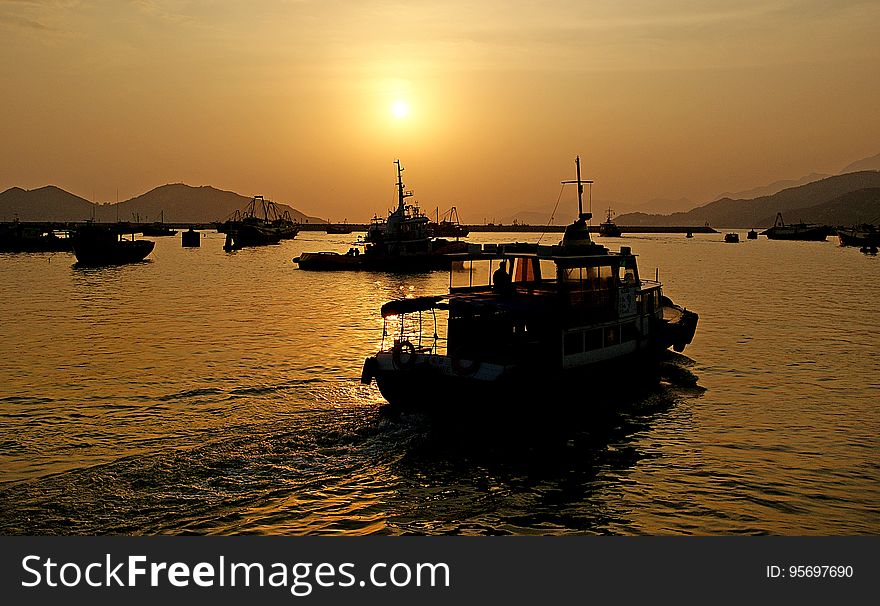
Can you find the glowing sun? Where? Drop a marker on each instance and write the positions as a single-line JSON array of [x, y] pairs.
[[400, 109]]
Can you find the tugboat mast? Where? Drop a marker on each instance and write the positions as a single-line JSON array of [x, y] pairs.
[[401, 194]]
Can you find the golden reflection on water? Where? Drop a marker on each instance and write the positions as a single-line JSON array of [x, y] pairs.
[[210, 392]]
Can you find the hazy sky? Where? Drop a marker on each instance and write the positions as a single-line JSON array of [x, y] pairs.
[[295, 99]]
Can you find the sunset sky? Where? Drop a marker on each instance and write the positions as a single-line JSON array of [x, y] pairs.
[[486, 103]]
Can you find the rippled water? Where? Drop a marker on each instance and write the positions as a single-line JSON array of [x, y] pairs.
[[206, 392]]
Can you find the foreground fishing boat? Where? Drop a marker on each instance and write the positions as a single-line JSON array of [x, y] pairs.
[[96, 245], [796, 231], [399, 243], [555, 320]]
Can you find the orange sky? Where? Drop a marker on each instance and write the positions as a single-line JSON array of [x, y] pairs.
[[293, 99]]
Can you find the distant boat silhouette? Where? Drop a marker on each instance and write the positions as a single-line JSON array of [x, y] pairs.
[[399, 243], [796, 231], [449, 226], [158, 228], [259, 224], [607, 228], [97, 245], [860, 235]]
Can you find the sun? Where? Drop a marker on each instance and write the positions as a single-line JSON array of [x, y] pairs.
[[400, 109]]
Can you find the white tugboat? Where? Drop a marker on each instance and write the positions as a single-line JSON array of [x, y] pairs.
[[525, 321]]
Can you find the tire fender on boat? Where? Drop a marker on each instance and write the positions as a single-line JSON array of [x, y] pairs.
[[401, 361]]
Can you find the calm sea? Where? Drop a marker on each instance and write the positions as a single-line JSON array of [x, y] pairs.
[[206, 392]]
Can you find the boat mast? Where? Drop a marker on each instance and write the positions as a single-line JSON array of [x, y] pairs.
[[580, 183], [400, 194]]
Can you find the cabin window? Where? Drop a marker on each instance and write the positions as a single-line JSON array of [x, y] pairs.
[[470, 273], [573, 343], [586, 277], [606, 276], [593, 339], [548, 269], [612, 336]]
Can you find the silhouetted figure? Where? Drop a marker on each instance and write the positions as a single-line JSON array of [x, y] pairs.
[[501, 279]]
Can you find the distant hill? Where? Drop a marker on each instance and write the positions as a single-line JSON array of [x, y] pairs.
[[852, 208], [872, 163], [180, 203], [773, 188], [47, 202], [660, 205], [754, 213], [183, 203]]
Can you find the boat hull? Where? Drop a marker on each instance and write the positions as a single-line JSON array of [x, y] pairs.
[[112, 253], [402, 373], [251, 236], [454, 386], [857, 238], [812, 234], [328, 261]]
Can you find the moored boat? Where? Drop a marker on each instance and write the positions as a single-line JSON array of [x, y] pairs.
[[96, 245], [21, 237], [399, 243], [608, 228], [731, 238], [259, 224], [546, 323], [329, 261], [796, 231], [158, 229], [859, 235], [338, 228], [449, 226], [752, 235]]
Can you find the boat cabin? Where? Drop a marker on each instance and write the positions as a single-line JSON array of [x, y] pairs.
[[553, 307]]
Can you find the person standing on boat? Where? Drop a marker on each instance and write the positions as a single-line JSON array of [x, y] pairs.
[[501, 279]]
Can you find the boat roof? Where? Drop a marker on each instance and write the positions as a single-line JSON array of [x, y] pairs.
[[405, 306], [490, 252], [478, 301]]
